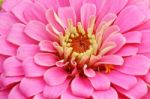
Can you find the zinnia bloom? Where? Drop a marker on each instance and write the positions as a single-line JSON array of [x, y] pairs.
[[75, 49]]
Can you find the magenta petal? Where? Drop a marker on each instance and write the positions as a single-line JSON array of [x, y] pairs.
[[140, 68], [66, 13], [27, 50], [21, 37], [87, 10], [79, 84], [137, 92], [37, 31], [55, 76], [127, 14], [53, 92], [122, 80], [45, 59], [15, 93], [12, 67], [31, 86], [106, 94], [100, 82], [9, 48], [47, 46], [31, 69]]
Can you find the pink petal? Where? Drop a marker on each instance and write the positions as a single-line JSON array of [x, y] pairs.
[[9, 49], [35, 12], [38, 96], [110, 59], [147, 95], [118, 39], [122, 80], [31, 86], [66, 13], [106, 94], [100, 82], [55, 76], [128, 50], [87, 10], [6, 81], [27, 50], [45, 59], [9, 4], [76, 4], [140, 68], [137, 92], [6, 21], [18, 10], [2, 59], [68, 95], [53, 92], [145, 43], [88, 71], [133, 37], [147, 77], [12, 67], [20, 38], [37, 31], [15, 93], [127, 21], [47, 46], [64, 3], [4, 94], [31, 69], [79, 84], [54, 21]]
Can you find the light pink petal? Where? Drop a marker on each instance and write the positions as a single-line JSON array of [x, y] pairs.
[[133, 37], [37, 31], [53, 92], [15, 93], [127, 21], [140, 68], [6, 21], [122, 80], [89, 72], [106, 94], [68, 94], [54, 20], [50, 4], [31, 86], [35, 12], [47, 46], [147, 95], [18, 10], [128, 50], [12, 67], [9, 4], [27, 50], [9, 48], [45, 59], [99, 4], [38, 96], [76, 4], [55, 76], [87, 10], [137, 92], [31, 69], [145, 43], [111, 59], [100, 82], [6, 81], [118, 39], [67, 13], [78, 84], [21, 37]]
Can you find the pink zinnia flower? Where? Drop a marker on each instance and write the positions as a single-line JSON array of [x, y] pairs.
[[75, 49]]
